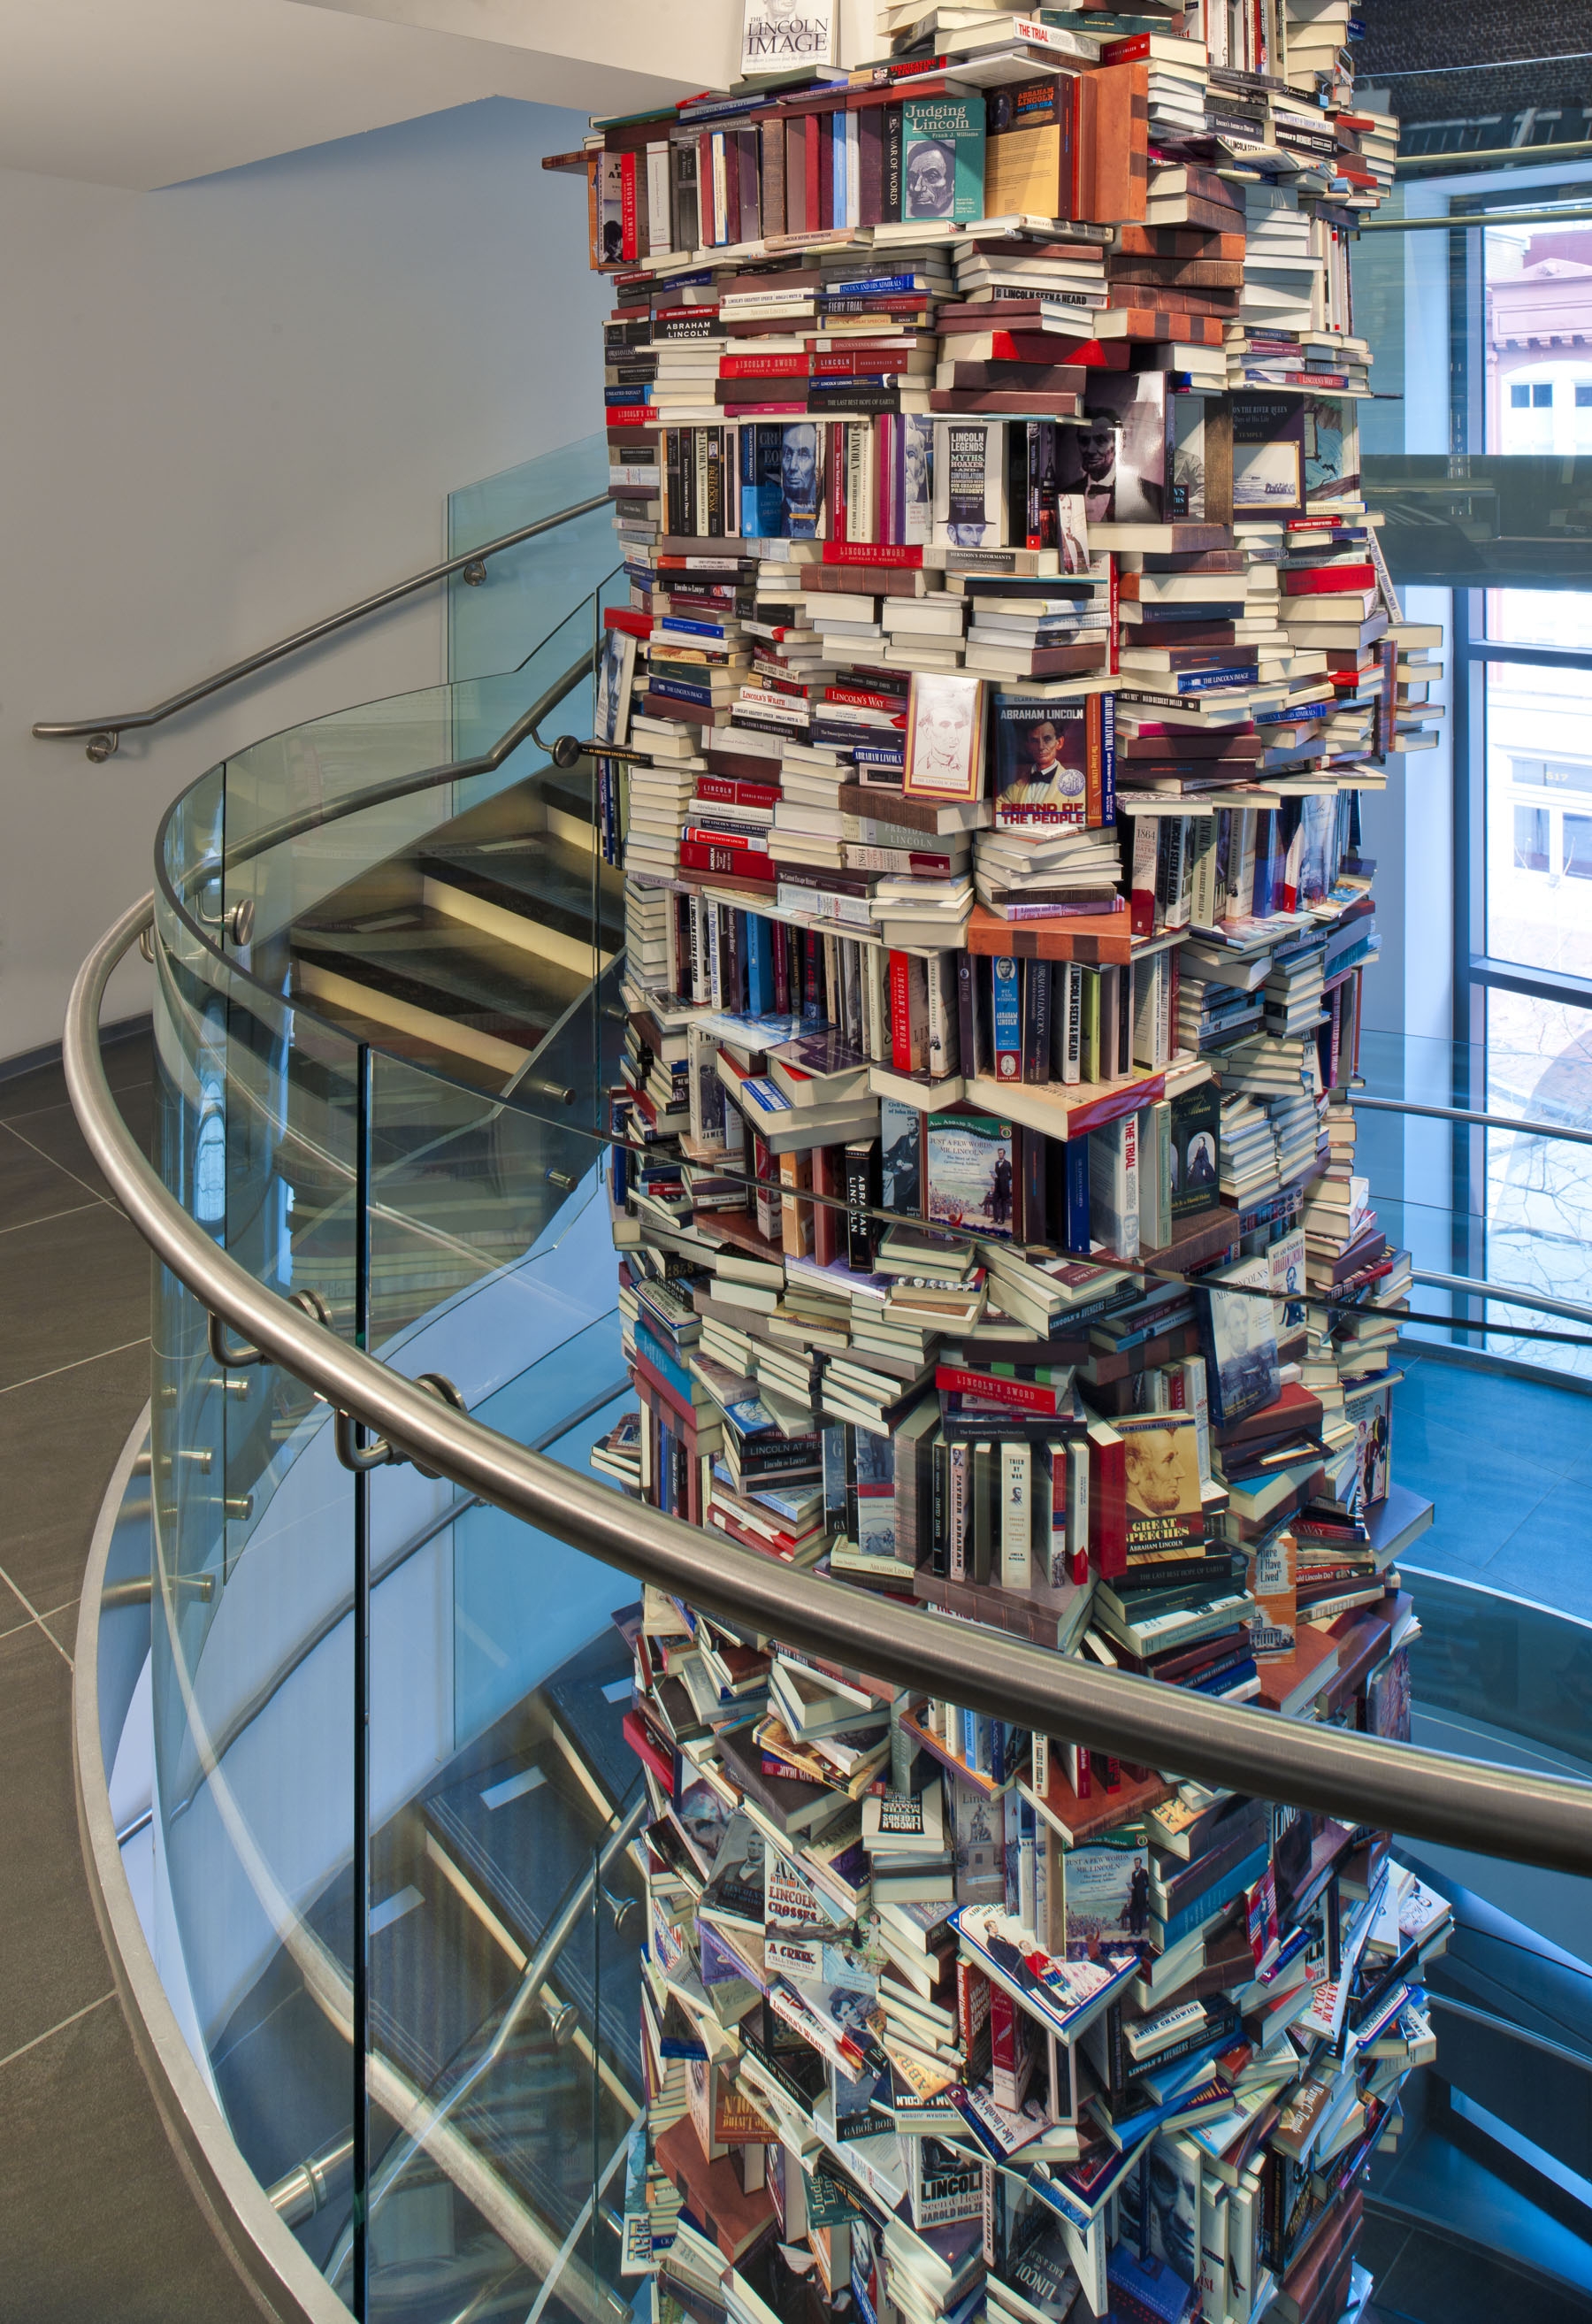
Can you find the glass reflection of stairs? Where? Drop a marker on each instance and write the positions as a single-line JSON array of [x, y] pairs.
[[465, 1879], [469, 948]]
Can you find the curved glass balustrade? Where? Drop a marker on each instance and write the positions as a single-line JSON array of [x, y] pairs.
[[381, 965]]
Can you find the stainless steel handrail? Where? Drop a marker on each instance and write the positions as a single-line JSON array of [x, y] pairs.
[[1510, 1294], [1511, 2032], [1363, 1103], [105, 734], [1461, 1803], [396, 787]]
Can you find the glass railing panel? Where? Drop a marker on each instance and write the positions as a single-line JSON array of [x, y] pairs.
[[254, 1571], [333, 814], [492, 624]]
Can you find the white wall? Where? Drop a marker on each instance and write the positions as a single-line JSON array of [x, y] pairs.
[[231, 407]]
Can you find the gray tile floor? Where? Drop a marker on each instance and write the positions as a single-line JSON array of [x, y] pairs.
[[96, 2219]]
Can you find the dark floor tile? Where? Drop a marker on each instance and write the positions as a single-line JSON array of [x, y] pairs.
[[54, 1961], [58, 1442], [99, 2221], [61, 1622], [52, 1131], [32, 1187], [1437, 2281], [127, 1061], [71, 1289], [25, 1092]]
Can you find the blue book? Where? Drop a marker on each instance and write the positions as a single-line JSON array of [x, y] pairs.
[[1220, 1894], [1077, 1164], [1007, 1020], [838, 132], [1262, 907], [760, 964], [677, 690], [693, 628], [875, 286], [668, 1366], [641, 393], [1207, 681]]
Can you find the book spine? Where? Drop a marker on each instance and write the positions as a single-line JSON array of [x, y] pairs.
[[1016, 1518], [859, 1205], [1037, 992], [1006, 1017], [1077, 1512]]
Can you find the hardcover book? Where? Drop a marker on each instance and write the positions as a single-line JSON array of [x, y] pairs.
[[777, 37], [782, 467], [1044, 752], [969, 484], [943, 140], [1268, 456], [1162, 1454], [610, 716], [1107, 1892], [970, 1166], [945, 737], [1196, 1150], [1140, 457], [1242, 1373]]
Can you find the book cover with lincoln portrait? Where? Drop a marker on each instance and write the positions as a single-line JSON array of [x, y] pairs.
[[1042, 761], [945, 737], [1161, 1453]]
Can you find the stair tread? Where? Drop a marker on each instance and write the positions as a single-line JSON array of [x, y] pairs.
[[461, 979], [537, 875]]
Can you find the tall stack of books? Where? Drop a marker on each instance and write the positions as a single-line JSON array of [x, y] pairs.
[[1006, 649]]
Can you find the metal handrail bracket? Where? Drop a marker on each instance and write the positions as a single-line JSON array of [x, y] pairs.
[[1459, 1803], [104, 734]]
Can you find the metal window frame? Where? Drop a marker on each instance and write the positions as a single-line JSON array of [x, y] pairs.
[[1476, 972]]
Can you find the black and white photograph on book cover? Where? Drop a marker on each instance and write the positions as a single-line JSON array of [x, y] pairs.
[[1157, 474], [917, 478], [1242, 1374], [781, 36], [782, 480], [1159, 2205], [610, 714], [1087, 465]]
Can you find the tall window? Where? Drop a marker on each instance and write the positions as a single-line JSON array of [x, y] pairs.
[[1524, 740]]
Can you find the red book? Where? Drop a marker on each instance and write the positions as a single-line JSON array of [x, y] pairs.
[[624, 419], [726, 790], [828, 1226], [1023, 1396], [1328, 580], [750, 871], [901, 1012], [640, 1737], [629, 618], [873, 553], [813, 133], [627, 205], [762, 366], [701, 837], [1108, 1501], [683, 1415]]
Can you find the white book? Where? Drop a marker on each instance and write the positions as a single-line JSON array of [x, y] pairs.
[[1016, 1517], [970, 483]]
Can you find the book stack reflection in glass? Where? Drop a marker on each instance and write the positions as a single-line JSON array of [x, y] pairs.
[[1007, 647]]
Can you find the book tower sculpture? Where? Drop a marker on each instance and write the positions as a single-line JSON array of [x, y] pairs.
[[1004, 651]]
